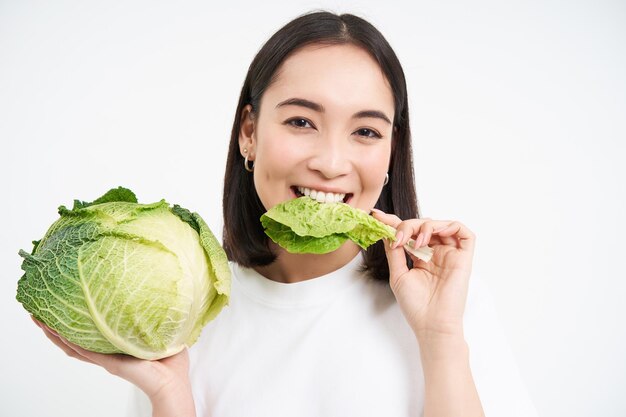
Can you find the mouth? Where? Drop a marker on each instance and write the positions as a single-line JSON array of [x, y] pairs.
[[321, 196]]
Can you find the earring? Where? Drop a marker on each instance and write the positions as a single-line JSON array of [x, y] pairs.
[[386, 179], [246, 166]]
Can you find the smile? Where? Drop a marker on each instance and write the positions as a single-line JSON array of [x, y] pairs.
[[321, 196]]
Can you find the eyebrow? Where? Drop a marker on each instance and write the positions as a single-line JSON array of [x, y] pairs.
[[302, 103], [372, 113], [377, 114]]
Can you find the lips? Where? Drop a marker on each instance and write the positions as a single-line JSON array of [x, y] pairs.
[[321, 196]]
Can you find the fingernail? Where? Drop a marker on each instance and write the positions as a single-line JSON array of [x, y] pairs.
[[399, 237], [375, 210], [419, 241]]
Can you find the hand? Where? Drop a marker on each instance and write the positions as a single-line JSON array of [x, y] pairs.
[[165, 381], [432, 294]]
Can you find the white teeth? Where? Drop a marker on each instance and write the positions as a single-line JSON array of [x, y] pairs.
[[321, 196]]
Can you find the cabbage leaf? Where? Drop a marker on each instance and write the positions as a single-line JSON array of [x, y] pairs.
[[303, 225]]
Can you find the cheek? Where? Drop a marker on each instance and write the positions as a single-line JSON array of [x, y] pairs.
[[278, 152], [374, 166], [274, 158]]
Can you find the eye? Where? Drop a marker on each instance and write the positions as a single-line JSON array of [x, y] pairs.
[[369, 133], [299, 123]]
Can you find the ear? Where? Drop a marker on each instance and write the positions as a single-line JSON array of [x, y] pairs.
[[247, 126]]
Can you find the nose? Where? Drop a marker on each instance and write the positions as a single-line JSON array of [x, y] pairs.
[[331, 157]]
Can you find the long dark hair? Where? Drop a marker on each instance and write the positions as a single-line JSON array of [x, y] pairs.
[[243, 237]]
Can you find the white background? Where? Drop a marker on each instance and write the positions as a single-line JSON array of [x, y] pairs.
[[517, 110]]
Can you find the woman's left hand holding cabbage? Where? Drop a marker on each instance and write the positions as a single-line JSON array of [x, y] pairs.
[[165, 382]]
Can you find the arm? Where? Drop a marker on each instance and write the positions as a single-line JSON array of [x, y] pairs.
[[165, 382], [449, 386], [432, 297]]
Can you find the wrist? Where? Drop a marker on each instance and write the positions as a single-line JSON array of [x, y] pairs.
[[173, 401], [446, 346]]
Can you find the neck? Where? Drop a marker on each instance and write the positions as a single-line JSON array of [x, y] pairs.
[[290, 267]]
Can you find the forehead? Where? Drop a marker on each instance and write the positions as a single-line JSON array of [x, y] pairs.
[[333, 74]]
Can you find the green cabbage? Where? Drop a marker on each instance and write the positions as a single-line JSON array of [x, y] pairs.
[[116, 276], [303, 225]]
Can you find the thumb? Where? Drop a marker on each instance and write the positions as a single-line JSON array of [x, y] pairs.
[[395, 257], [396, 260]]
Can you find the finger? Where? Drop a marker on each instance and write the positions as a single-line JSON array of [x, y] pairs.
[[393, 221], [426, 232], [429, 233], [389, 219], [83, 353], [139, 372], [59, 342], [396, 261], [407, 229], [121, 365], [37, 322], [444, 240], [69, 348], [457, 230], [419, 229], [116, 364]]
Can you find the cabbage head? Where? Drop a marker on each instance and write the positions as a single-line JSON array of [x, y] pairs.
[[116, 276]]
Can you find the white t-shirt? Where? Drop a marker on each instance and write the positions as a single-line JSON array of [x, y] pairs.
[[337, 345]]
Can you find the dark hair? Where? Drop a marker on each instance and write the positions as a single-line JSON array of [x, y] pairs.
[[244, 239]]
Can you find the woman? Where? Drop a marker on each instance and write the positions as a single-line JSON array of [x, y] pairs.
[[323, 112]]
